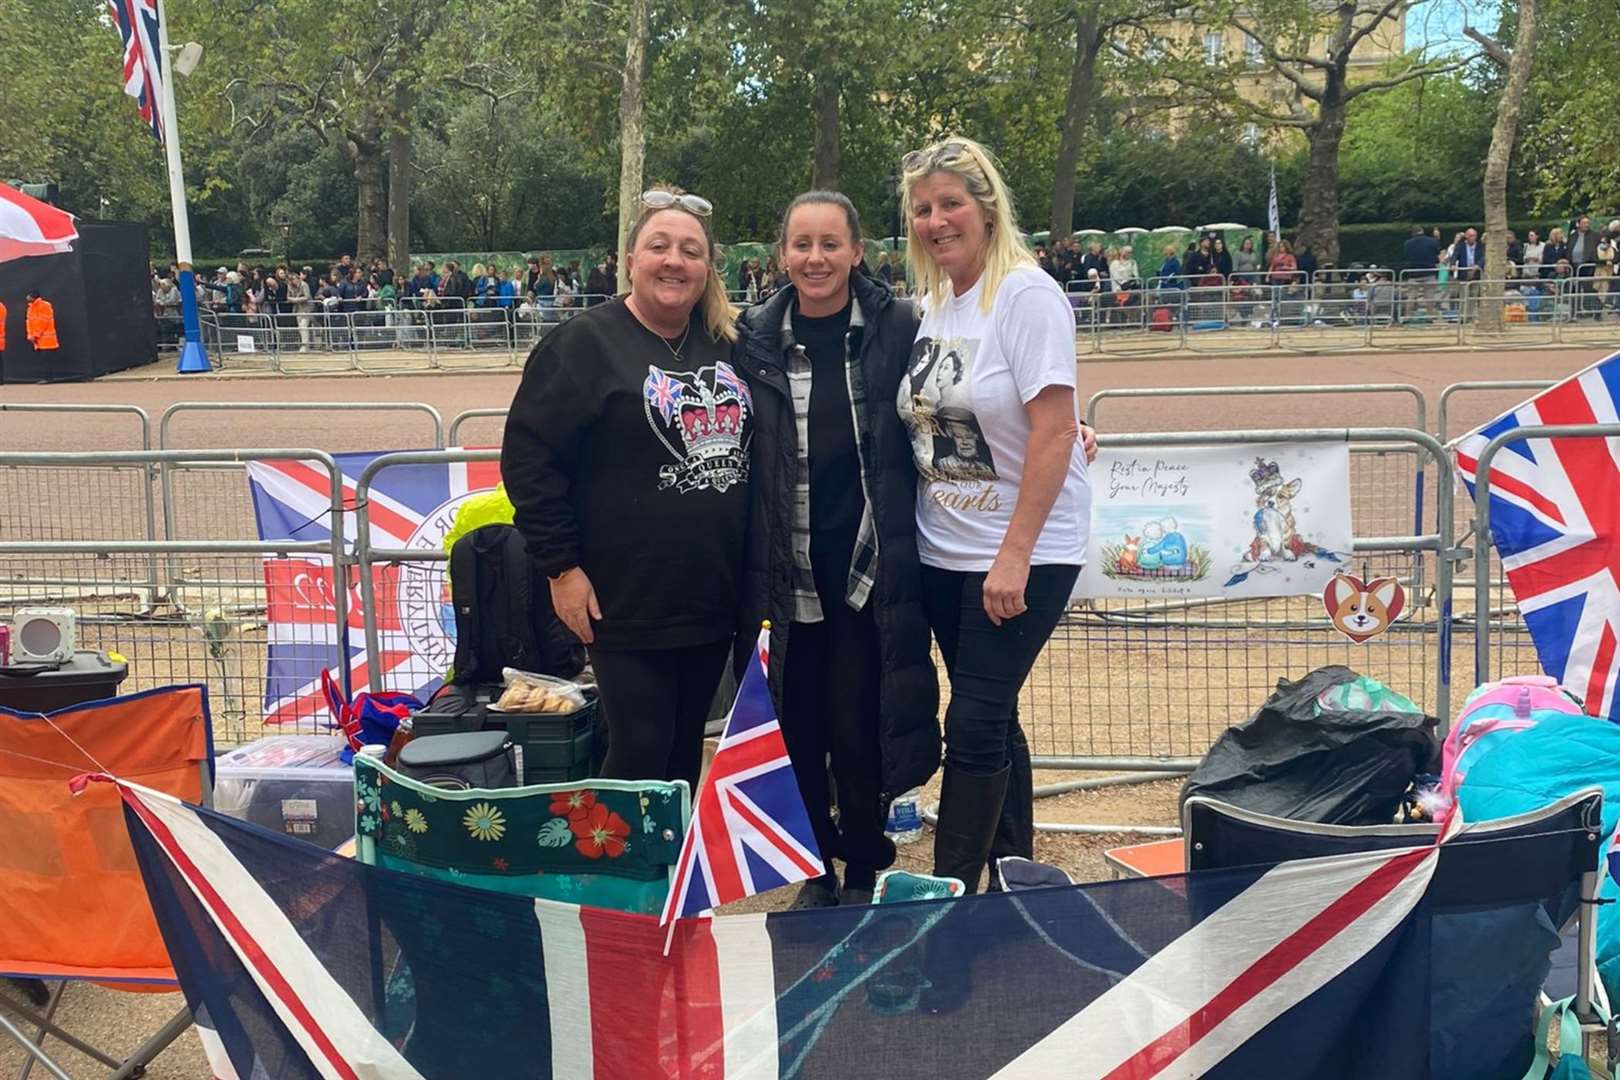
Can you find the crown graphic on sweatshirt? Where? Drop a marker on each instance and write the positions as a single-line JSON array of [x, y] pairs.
[[711, 429]]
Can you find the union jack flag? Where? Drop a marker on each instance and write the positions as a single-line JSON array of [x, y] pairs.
[[749, 830], [411, 506], [663, 393], [137, 22], [1555, 521]]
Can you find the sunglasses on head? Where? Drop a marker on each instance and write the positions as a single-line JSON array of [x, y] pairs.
[[663, 200], [943, 154]]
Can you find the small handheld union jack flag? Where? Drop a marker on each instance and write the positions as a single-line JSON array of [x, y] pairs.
[[749, 830]]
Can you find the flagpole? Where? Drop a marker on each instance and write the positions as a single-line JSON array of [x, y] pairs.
[[193, 358]]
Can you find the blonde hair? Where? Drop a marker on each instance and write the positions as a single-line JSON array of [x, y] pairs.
[[719, 315], [977, 169]]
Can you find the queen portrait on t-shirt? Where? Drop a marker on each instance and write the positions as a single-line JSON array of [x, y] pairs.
[[1003, 499]]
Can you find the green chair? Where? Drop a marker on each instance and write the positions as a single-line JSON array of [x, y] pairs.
[[599, 843]]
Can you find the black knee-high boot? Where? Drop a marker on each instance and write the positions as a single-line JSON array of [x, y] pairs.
[[1015, 831], [969, 809]]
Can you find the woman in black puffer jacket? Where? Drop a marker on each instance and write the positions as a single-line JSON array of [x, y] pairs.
[[831, 554]]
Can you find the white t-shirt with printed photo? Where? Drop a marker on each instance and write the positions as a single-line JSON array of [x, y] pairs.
[[971, 374]]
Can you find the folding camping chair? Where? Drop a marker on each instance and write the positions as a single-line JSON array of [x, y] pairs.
[[72, 903], [1494, 886], [600, 843]]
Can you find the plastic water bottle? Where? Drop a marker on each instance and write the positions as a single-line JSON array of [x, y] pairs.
[[905, 822]]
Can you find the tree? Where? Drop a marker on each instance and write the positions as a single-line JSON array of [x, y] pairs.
[[632, 136], [1568, 148], [1320, 89], [1517, 65]]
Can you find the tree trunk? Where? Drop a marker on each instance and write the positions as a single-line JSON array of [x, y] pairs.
[[632, 136], [1076, 109], [371, 179], [1319, 210], [825, 173], [400, 182], [1496, 162]]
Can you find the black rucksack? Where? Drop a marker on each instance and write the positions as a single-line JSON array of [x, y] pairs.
[[503, 611]]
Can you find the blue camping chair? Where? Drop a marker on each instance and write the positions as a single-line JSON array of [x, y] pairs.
[[1514, 903]]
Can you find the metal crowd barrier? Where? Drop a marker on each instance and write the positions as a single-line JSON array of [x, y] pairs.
[[215, 628]]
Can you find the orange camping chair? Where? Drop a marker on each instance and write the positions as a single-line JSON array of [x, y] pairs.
[[72, 904]]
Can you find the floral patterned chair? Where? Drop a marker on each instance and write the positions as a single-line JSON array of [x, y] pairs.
[[600, 843]]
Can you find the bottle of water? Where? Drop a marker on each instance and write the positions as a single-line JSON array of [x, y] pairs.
[[905, 822]]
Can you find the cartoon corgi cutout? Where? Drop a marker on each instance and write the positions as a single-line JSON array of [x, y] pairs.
[[1363, 610], [1127, 555]]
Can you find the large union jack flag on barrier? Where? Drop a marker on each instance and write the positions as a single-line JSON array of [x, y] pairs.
[[137, 23], [1555, 521], [297, 964], [749, 830], [412, 506]]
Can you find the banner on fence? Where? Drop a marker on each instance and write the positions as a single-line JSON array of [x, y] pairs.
[[411, 507], [299, 964], [1555, 521], [1233, 521]]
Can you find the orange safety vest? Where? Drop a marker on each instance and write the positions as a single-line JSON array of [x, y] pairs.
[[2, 328], [42, 325]]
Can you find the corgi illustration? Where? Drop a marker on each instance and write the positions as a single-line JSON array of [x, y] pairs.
[[1363, 610], [1275, 536], [1127, 556]]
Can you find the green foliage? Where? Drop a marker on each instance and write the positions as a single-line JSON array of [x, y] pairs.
[[1415, 151], [513, 114], [1567, 144]]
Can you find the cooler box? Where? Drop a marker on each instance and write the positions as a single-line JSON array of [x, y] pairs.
[[89, 676], [294, 784], [557, 747]]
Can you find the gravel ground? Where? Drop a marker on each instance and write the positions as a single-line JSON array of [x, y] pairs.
[[120, 1021]]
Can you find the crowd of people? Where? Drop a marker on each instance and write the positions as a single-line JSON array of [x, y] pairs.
[[867, 476]]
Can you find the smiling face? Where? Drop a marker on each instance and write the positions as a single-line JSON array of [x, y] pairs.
[[669, 264], [951, 225], [819, 253]]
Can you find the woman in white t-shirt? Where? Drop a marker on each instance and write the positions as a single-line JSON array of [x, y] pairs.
[[1003, 502]]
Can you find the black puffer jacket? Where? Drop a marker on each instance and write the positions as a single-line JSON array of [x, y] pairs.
[[908, 686]]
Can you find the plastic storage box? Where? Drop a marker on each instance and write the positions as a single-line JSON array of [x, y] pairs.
[[294, 784], [89, 676]]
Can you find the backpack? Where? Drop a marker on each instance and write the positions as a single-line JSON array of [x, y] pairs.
[[503, 611], [1495, 712], [371, 718], [1161, 319]]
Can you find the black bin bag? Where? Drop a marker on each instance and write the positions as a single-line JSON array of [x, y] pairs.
[[1293, 760]]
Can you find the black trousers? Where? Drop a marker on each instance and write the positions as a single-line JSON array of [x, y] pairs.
[[988, 664], [656, 702], [830, 710]]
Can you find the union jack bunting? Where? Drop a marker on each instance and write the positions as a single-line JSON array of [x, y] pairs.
[[749, 830], [1555, 521], [298, 964], [137, 22], [412, 506]]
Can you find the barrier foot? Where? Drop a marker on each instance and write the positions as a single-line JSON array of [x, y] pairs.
[[192, 359]]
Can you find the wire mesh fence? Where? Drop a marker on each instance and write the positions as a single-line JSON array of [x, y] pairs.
[[1119, 679]]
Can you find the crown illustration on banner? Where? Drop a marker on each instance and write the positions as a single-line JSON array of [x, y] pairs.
[[711, 428], [1265, 474]]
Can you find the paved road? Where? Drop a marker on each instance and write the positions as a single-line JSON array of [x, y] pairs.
[[452, 392]]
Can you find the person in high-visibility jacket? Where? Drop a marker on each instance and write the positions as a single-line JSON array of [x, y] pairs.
[[2, 330], [41, 323]]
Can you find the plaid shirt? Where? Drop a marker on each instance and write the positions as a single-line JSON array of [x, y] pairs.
[[863, 562]]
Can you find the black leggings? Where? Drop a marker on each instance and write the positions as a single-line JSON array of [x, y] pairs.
[[988, 664], [656, 702]]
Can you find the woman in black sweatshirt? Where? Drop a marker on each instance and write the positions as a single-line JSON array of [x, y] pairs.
[[626, 457]]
